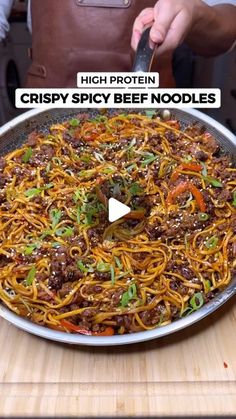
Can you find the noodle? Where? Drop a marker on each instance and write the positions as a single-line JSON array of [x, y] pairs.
[[64, 266]]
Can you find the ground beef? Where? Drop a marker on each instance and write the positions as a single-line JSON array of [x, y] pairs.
[[4, 260], [32, 138], [224, 195], [75, 142], [125, 321], [155, 142], [210, 144], [154, 231], [178, 287], [116, 297], [233, 223], [171, 136], [3, 181], [186, 272], [65, 289], [151, 317], [201, 155], [72, 273], [102, 276], [55, 282], [45, 154], [2, 197], [63, 269]]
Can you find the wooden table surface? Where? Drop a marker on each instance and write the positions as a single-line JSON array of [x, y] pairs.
[[192, 372]]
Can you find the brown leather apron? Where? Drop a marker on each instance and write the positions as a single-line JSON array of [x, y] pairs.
[[84, 35]]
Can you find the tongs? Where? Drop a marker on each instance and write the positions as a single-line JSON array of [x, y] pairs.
[[145, 53]]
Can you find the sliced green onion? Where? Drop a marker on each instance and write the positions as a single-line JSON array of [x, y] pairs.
[[57, 160], [212, 242], [150, 113], [30, 193], [123, 274], [28, 154], [74, 122], [83, 268], [214, 182], [131, 144], [87, 174], [203, 216], [112, 274], [103, 267], [204, 169], [118, 262], [187, 158], [47, 186], [30, 277], [46, 233], [148, 159], [129, 295], [99, 157], [197, 301], [65, 232], [55, 245], [48, 167], [234, 199], [77, 195], [135, 189], [99, 118], [85, 158], [30, 248], [207, 284], [108, 170], [131, 167], [55, 216]]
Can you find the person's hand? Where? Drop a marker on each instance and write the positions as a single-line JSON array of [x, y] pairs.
[[171, 21]]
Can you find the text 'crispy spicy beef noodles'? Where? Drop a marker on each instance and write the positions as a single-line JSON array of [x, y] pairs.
[[63, 265]]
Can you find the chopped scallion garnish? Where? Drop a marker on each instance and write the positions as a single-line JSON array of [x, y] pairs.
[[214, 182], [234, 199], [30, 277], [203, 216], [112, 274], [74, 122], [129, 295], [28, 154], [64, 232], [118, 262], [212, 242], [55, 216], [103, 267]]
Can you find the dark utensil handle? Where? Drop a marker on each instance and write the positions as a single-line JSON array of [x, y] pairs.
[[144, 54]]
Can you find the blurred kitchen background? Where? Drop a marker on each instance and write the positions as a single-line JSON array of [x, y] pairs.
[[199, 72]]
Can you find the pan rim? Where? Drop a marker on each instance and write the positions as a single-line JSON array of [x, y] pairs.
[[191, 111], [132, 338]]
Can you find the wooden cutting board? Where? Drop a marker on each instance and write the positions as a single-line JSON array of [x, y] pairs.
[[192, 372]]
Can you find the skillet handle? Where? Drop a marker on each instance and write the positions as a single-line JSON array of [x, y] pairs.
[[144, 54]]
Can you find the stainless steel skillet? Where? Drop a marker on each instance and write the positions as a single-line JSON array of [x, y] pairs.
[[13, 134]]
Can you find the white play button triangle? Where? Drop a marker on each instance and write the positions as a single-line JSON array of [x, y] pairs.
[[116, 210]]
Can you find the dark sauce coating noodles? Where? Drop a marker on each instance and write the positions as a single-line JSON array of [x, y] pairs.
[[63, 265]]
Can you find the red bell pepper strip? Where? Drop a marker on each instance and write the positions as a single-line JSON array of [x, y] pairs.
[[135, 215], [194, 167], [109, 331], [74, 328], [187, 186]]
